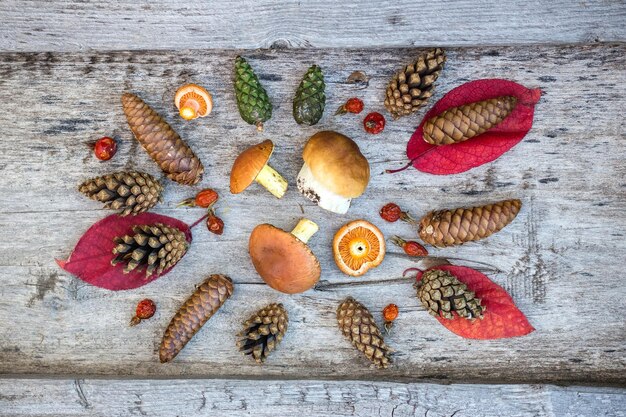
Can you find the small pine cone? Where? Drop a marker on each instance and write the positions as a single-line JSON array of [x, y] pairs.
[[161, 142], [263, 332], [310, 99], [442, 293], [191, 316], [155, 247], [253, 102], [131, 192], [464, 122], [410, 87], [443, 228], [358, 325]]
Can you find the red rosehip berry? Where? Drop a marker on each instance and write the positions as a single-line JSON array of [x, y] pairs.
[[215, 224], [410, 247], [145, 309], [390, 313], [353, 105], [374, 123], [205, 199], [391, 212], [105, 148]]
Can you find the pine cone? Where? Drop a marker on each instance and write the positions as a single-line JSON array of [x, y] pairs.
[[131, 192], [409, 89], [254, 105], [263, 332], [464, 122], [191, 316], [310, 100], [454, 227], [155, 247], [161, 142], [358, 325], [442, 293]]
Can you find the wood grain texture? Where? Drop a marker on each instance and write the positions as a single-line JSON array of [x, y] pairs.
[[200, 397], [74, 25], [561, 259]]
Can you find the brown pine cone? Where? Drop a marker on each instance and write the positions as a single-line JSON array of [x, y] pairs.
[[263, 332], [358, 325], [442, 293], [161, 142], [197, 310], [443, 228], [464, 122]]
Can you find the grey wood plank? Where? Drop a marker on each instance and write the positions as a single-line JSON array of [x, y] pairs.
[[561, 259], [74, 25]]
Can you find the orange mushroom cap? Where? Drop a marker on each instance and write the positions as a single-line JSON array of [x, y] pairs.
[[283, 261], [193, 101], [358, 246], [248, 165]]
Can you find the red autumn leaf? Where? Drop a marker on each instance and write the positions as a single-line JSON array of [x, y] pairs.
[[501, 318], [91, 258], [462, 156]]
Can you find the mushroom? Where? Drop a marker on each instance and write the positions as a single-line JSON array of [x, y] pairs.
[[193, 101], [251, 165], [334, 171], [283, 259]]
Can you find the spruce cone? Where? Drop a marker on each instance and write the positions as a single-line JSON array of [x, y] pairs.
[[454, 227], [409, 89], [310, 100], [464, 122], [358, 325], [161, 142], [254, 105], [442, 293], [263, 332], [155, 247], [191, 316], [131, 192]]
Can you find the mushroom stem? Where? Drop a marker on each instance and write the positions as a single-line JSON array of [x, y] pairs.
[[189, 109], [304, 230], [272, 180]]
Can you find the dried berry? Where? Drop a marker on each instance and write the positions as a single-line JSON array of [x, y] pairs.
[[214, 224], [105, 148], [205, 199], [390, 313], [391, 212], [145, 309], [374, 123], [353, 105], [410, 247]]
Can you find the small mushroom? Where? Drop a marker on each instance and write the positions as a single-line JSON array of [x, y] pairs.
[[251, 165], [334, 171], [283, 259], [193, 101]]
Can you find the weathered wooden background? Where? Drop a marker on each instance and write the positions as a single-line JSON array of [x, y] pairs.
[[561, 259]]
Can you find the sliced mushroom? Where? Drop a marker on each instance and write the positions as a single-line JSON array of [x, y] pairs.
[[252, 165], [193, 101]]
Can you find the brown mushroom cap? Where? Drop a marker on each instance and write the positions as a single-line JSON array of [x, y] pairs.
[[248, 165], [337, 162], [283, 261]]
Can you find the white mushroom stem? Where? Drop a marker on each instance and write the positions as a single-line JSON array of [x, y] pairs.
[[189, 109], [272, 180], [304, 230], [315, 191]]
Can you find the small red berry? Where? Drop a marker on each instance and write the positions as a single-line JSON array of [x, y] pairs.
[[390, 313], [145, 309], [353, 105], [391, 212], [215, 224], [374, 123], [410, 247], [205, 199], [105, 148]]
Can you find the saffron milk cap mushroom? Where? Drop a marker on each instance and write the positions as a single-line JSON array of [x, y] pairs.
[[283, 259], [193, 101], [252, 165], [334, 171]]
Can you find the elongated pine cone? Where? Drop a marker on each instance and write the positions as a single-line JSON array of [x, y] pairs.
[[358, 325], [442, 294], [464, 122], [155, 247], [263, 332], [191, 316], [410, 87], [161, 142], [131, 192], [443, 228]]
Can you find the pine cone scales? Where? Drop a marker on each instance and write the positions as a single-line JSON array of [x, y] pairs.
[[131, 192], [410, 87], [358, 325], [193, 314], [154, 247], [454, 227], [253, 102], [263, 332], [310, 99], [464, 122], [161, 142], [442, 293]]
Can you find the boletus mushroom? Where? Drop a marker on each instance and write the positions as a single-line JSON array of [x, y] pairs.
[[334, 171], [283, 259], [252, 165]]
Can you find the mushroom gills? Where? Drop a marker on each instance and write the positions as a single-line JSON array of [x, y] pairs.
[[272, 181], [315, 191], [304, 230]]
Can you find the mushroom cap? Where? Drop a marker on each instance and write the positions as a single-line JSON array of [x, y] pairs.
[[248, 165], [283, 261], [337, 163], [358, 246], [198, 93]]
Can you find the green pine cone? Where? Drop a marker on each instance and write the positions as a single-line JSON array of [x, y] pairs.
[[309, 101], [252, 100]]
